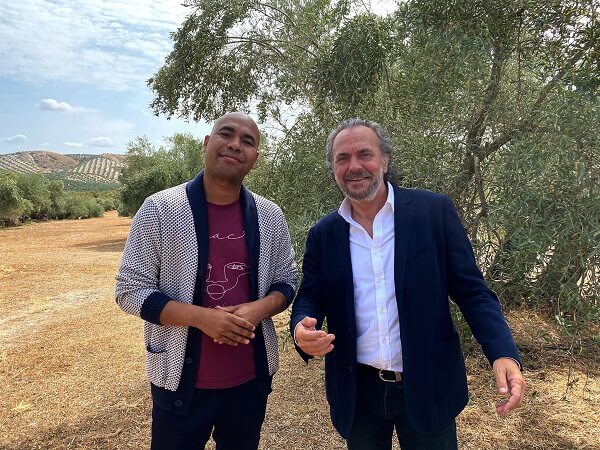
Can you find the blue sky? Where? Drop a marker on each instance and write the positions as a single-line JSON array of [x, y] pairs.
[[73, 73]]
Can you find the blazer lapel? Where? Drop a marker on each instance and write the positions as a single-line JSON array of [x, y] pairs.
[[403, 220], [250, 214], [340, 240], [197, 199]]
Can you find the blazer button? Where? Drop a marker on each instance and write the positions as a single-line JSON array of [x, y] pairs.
[[188, 360], [178, 403]]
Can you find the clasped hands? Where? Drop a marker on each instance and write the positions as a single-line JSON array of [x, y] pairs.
[[233, 325]]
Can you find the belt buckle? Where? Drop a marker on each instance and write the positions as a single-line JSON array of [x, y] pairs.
[[397, 376]]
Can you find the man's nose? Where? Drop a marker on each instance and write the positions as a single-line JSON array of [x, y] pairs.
[[234, 143], [355, 164]]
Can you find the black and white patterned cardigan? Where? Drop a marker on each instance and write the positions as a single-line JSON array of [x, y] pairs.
[[161, 261]]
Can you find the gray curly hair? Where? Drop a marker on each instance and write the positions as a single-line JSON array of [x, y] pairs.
[[384, 141]]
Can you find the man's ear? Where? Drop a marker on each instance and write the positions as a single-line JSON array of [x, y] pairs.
[[386, 163], [206, 138]]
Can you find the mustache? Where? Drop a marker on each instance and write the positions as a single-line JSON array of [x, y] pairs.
[[351, 176]]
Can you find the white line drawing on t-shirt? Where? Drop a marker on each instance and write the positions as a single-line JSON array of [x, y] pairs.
[[232, 272], [230, 236]]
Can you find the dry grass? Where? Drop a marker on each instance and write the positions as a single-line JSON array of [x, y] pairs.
[[71, 363]]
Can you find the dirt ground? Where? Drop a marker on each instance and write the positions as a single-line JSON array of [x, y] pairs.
[[72, 364]]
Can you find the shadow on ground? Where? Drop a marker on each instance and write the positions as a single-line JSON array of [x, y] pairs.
[[104, 246]]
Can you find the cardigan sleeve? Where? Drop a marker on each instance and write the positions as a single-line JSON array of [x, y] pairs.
[[285, 273], [137, 289]]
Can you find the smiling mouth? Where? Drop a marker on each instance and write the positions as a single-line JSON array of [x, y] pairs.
[[230, 157]]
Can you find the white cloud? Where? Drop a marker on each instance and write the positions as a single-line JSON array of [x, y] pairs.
[[14, 139], [73, 144], [101, 142], [112, 44], [49, 104]]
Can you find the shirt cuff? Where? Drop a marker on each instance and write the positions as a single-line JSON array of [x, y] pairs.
[[153, 306], [518, 363], [285, 289], [294, 335]]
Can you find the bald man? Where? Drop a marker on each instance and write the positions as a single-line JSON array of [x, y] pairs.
[[206, 265]]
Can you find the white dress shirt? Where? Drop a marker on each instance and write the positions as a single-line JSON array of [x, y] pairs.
[[377, 325]]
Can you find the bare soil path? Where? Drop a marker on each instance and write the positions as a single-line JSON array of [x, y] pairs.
[[72, 364]]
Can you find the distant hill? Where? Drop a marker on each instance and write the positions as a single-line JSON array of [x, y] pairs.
[[80, 168]]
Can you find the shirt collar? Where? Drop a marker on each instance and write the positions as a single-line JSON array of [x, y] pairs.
[[345, 209]]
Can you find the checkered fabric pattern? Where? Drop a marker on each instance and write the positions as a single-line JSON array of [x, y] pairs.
[[161, 255]]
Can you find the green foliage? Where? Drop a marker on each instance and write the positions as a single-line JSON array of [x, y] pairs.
[[26, 197], [228, 54], [34, 188], [76, 207], [293, 173], [150, 170], [12, 203], [57, 198], [352, 69], [491, 102], [81, 186], [109, 200]]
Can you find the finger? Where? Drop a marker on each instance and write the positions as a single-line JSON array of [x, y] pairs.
[[324, 351], [240, 334], [302, 334], [243, 323], [501, 382], [226, 340], [314, 339], [505, 406], [309, 322], [228, 309], [517, 390], [319, 346], [232, 336]]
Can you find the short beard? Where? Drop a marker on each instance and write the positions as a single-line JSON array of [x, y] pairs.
[[366, 195]]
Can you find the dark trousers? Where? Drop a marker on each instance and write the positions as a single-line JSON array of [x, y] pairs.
[[380, 407], [233, 416]]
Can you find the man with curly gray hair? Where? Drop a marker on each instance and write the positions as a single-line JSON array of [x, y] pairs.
[[380, 270]]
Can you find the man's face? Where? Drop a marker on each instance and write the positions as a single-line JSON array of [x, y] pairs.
[[358, 164], [231, 148]]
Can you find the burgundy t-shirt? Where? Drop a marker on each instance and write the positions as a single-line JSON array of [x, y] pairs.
[[227, 282]]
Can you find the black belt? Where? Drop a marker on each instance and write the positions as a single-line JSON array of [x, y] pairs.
[[389, 376]]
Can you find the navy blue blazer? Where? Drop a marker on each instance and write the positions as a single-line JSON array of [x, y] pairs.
[[433, 260]]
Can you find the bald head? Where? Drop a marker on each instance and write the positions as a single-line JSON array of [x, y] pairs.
[[231, 150], [240, 118]]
